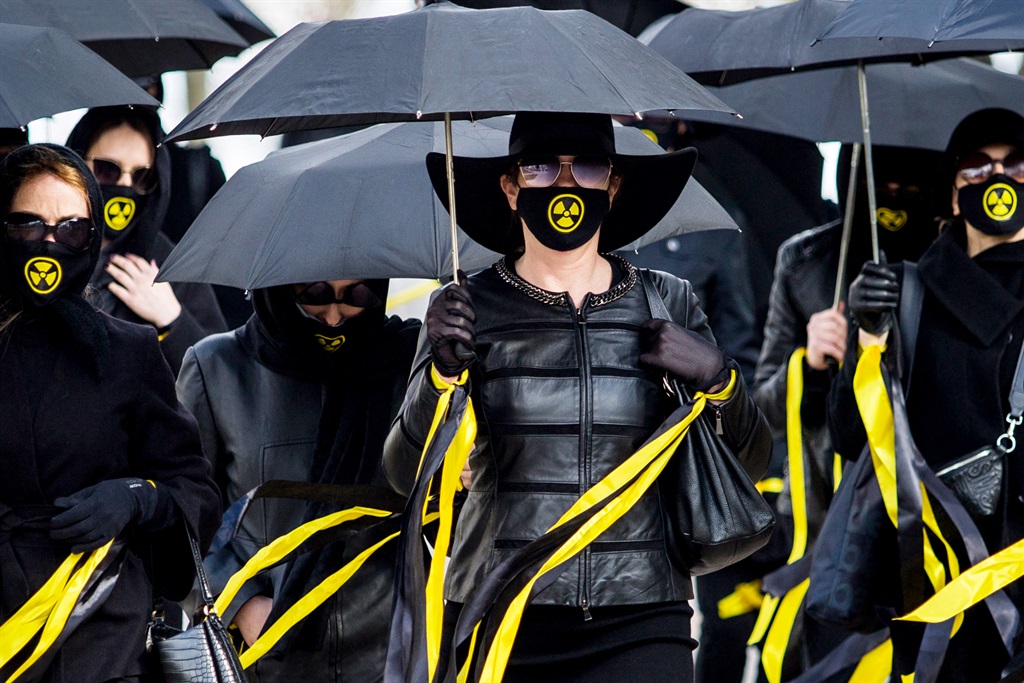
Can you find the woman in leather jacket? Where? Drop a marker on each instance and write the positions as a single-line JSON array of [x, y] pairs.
[[566, 376]]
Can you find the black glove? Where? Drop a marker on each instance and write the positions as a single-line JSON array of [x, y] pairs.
[[685, 354], [874, 296], [96, 514], [449, 322]]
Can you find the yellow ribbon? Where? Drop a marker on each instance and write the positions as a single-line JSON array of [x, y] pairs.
[[974, 585], [777, 640], [875, 665], [48, 609], [876, 414], [769, 485], [745, 599], [642, 468]]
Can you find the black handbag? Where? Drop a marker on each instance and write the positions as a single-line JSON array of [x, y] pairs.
[[203, 652], [975, 478], [714, 515]]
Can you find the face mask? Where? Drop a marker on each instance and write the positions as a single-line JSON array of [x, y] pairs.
[[906, 226], [43, 271], [993, 206], [562, 218], [332, 338], [122, 210]]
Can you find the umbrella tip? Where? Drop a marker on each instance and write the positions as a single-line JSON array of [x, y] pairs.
[[213, 127], [738, 115], [419, 114], [638, 115]]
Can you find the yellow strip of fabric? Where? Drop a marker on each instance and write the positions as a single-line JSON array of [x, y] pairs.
[[281, 547], [463, 676], [875, 665], [769, 485], [876, 414], [745, 599], [795, 448], [933, 565], [23, 625], [645, 465], [764, 619], [974, 585], [837, 471], [62, 606], [777, 640], [307, 603], [454, 460]]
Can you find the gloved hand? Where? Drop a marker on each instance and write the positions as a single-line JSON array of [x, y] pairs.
[[449, 321], [685, 354], [874, 295], [98, 513]]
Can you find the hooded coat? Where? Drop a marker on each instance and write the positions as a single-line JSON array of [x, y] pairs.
[[87, 398], [272, 403], [200, 313]]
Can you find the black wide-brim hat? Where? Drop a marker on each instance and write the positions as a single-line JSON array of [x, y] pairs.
[[650, 184]]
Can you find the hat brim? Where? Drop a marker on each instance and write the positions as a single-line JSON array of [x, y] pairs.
[[651, 184]]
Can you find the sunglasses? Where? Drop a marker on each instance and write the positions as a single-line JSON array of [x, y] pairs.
[[73, 232], [322, 294], [109, 172], [979, 167], [591, 172]]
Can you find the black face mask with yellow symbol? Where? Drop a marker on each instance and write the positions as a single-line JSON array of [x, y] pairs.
[[44, 271], [993, 206], [350, 333], [123, 207], [562, 218]]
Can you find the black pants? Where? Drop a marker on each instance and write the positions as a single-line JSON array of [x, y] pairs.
[[645, 643]]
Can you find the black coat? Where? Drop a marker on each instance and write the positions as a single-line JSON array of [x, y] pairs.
[[63, 429], [561, 400]]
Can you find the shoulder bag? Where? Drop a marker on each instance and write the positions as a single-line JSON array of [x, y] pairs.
[[203, 652], [714, 516]]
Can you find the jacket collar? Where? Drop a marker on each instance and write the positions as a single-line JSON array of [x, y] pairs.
[[964, 288]]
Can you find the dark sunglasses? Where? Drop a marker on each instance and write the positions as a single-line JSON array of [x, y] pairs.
[[73, 232], [589, 171], [322, 294], [109, 172], [979, 167]]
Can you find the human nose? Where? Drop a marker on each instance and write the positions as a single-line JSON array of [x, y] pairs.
[[49, 237], [332, 316], [121, 180], [565, 177]]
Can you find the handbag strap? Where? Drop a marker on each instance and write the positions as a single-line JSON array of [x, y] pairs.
[[911, 303], [197, 557], [655, 302]]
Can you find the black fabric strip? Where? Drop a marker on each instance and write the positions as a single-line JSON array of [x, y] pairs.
[[597, 371], [537, 487], [527, 326], [596, 547], [566, 429]]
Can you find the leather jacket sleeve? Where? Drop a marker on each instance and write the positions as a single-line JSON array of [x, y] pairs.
[[191, 389]]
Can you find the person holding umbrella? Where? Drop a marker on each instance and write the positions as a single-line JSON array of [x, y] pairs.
[[99, 458], [305, 391], [960, 371], [120, 146], [566, 368]]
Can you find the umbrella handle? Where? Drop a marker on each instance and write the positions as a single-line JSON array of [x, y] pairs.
[[463, 352]]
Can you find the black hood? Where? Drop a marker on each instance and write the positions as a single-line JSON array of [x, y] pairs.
[[11, 177], [140, 238]]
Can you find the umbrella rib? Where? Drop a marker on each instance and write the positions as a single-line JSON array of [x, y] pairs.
[[142, 17], [610, 82]]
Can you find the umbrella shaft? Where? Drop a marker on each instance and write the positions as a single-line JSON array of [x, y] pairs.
[[450, 174], [865, 119], [844, 244]]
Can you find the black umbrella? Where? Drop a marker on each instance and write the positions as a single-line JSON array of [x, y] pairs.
[[139, 37], [355, 206], [922, 104], [46, 71], [929, 27], [241, 18], [443, 62]]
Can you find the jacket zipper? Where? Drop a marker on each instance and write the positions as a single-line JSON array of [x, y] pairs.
[[718, 419], [586, 434]]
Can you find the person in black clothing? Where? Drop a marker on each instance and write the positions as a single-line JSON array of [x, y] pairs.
[[566, 378], [305, 391], [94, 445], [968, 342], [119, 144]]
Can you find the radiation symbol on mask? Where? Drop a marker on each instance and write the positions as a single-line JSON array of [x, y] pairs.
[[330, 344], [43, 274], [1000, 202], [890, 219], [565, 212], [118, 212]]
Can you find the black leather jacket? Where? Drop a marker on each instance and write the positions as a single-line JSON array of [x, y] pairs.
[[561, 400]]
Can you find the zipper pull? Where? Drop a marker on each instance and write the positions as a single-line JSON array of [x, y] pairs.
[[718, 422], [586, 611]]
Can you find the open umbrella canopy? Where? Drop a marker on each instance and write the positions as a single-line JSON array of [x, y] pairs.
[[241, 18], [139, 37], [362, 206], [916, 106], [929, 27], [45, 71], [442, 59]]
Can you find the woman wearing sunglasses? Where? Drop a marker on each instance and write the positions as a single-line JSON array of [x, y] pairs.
[[968, 344], [119, 145], [93, 443], [304, 391], [566, 369]]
